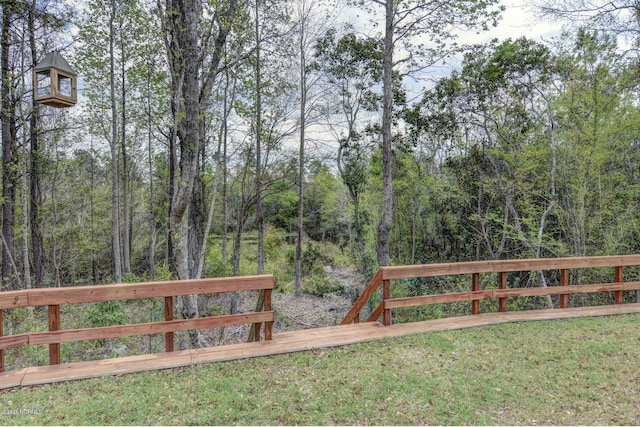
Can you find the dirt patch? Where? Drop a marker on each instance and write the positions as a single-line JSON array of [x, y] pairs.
[[309, 311], [304, 312]]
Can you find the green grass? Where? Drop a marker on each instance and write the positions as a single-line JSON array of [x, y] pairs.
[[579, 371]]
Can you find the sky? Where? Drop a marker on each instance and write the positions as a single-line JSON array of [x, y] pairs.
[[519, 20]]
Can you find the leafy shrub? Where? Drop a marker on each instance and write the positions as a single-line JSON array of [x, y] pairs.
[[313, 259], [416, 286], [36, 355], [418, 314], [273, 243], [321, 286], [107, 313], [131, 278], [370, 264], [216, 268], [163, 272]]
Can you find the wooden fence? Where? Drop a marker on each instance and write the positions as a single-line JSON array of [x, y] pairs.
[[501, 267], [52, 298]]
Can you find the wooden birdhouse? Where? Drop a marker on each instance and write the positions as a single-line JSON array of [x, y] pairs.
[[54, 82]]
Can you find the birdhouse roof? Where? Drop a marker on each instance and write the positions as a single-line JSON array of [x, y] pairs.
[[57, 61]]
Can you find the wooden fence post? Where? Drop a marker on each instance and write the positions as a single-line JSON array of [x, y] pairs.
[[168, 315], [268, 326], [618, 278], [386, 295], [502, 284], [475, 286], [564, 281], [1, 350], [54, 325]]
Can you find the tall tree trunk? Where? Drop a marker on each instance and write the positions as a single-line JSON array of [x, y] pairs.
[[184, 17], [115, 166], [25, 195], [225, 204], [187, 18], [7, 121], [126, 208], [54, 201], [414, 227], [259, 208], [92, 216], [386, 218], [197, 215], [172, 160], [301, 161], [220, 164], [357, 225], [207, 229], [237, 240], [182, 21], [152, 217], [37, 241], [354, 194]]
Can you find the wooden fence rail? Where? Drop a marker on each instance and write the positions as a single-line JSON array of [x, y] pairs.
[[52, 298], [500, 267]]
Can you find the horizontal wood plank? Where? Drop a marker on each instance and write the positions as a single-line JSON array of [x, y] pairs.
[[100, 293], [497, 266], [509, 293], [560, 290], [73, 335], [13, 299], [12, 379], [13, 341], [437, 299]]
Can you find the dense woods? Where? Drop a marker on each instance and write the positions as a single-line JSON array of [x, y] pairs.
[[210, 134]]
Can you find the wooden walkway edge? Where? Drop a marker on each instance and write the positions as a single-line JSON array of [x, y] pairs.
[[286, 342]]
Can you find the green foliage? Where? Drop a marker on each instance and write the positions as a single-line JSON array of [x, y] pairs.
[[107, 313], [162, 272], [528, 179], [36, 355], [324, 204], [416, 286], [314, 257], [273, 244], [351, 57], [216, 268], [321, 286], [281, 207], [131, 278]]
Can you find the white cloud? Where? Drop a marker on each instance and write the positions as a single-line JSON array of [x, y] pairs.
[[518, 20]]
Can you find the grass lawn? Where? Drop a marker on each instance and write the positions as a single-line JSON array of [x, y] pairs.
[[577, 371]]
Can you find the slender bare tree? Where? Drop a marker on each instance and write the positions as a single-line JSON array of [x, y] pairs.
[[193, 66]]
